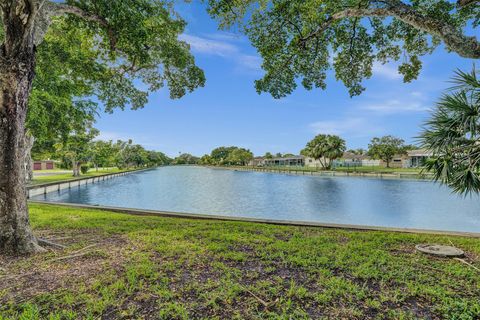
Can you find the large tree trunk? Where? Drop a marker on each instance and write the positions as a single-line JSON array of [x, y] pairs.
[[17, 65], [76, 168], [15, 233]]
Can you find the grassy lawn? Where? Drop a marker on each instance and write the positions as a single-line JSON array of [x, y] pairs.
[[168, 268], [68, 176], [378, 169]]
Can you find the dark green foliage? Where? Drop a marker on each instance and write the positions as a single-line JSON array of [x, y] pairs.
[[325, 148], [301, 41], [385, 148], [119, 63], [230, 156], [139, 43], [268, 155], [453, 135], [84, 168], [186, 158]]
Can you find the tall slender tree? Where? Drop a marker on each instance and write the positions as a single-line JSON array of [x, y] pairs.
[[134, 40]]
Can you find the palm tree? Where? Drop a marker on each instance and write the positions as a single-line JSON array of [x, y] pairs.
[[325, 148], [453, 135]]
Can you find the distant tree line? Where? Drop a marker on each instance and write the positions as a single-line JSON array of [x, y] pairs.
[[79, 151], [186, 158], [219, 156]]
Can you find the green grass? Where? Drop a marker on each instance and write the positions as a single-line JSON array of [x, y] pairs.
[[69, 176], [379, 169], [170, 268], [366, 169], [50, 170]]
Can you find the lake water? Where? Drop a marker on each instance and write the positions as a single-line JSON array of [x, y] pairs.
[[351, 200]]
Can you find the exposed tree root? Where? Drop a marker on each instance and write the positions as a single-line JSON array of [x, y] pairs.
[[71, 256], [46, 242]]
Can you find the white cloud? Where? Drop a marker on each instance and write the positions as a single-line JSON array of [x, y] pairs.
[[358, 127], [209, 46], [250, 62], [417, 94], [221, 45], [386, 71], [229, 36], [396, 106]]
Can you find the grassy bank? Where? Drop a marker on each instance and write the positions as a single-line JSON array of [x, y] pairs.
[[372, 169], [379, 169], [68, 176], [120, 266]]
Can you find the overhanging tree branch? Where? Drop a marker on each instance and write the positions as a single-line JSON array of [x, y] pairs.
[[61, 8], [464, 3], [454, 39]]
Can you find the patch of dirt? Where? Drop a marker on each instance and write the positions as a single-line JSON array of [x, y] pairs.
[[24, 278], [191, 281]]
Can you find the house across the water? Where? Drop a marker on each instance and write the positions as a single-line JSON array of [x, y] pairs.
[[257, 162], [44, 165], [350, 159], [285, 161], [417, 158], [412, 159]]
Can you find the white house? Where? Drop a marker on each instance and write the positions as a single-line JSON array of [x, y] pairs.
[[416, 158]]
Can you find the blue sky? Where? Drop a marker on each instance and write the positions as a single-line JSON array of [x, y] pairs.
[[228, 111]]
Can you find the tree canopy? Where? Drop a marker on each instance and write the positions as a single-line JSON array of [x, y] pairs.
[[75, 148], [74, 63], [304, 39], [239, 156], [385, 148], [186, 158], [115, 51], [325, 148], [453, 135]]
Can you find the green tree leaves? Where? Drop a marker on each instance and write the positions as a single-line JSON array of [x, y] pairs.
[[109, 52], [453, 135], [325, 148], [301, 41], [229, 156], [385, 148]]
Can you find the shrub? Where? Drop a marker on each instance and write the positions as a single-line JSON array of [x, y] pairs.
[[84, 168]]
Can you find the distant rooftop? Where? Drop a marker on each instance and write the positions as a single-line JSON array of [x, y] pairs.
[[419, 153]]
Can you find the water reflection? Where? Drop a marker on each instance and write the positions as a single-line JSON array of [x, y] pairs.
[[397, 203]]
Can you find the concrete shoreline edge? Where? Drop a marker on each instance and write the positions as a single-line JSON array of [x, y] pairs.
[[293, 171], [44, 188], [199, 216]]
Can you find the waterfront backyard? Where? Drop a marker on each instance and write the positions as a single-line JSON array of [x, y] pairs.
[[119, 266], [261, 194]]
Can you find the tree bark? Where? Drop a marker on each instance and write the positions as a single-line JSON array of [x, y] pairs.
[[76, 168], [17, 69], [15, 85]]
